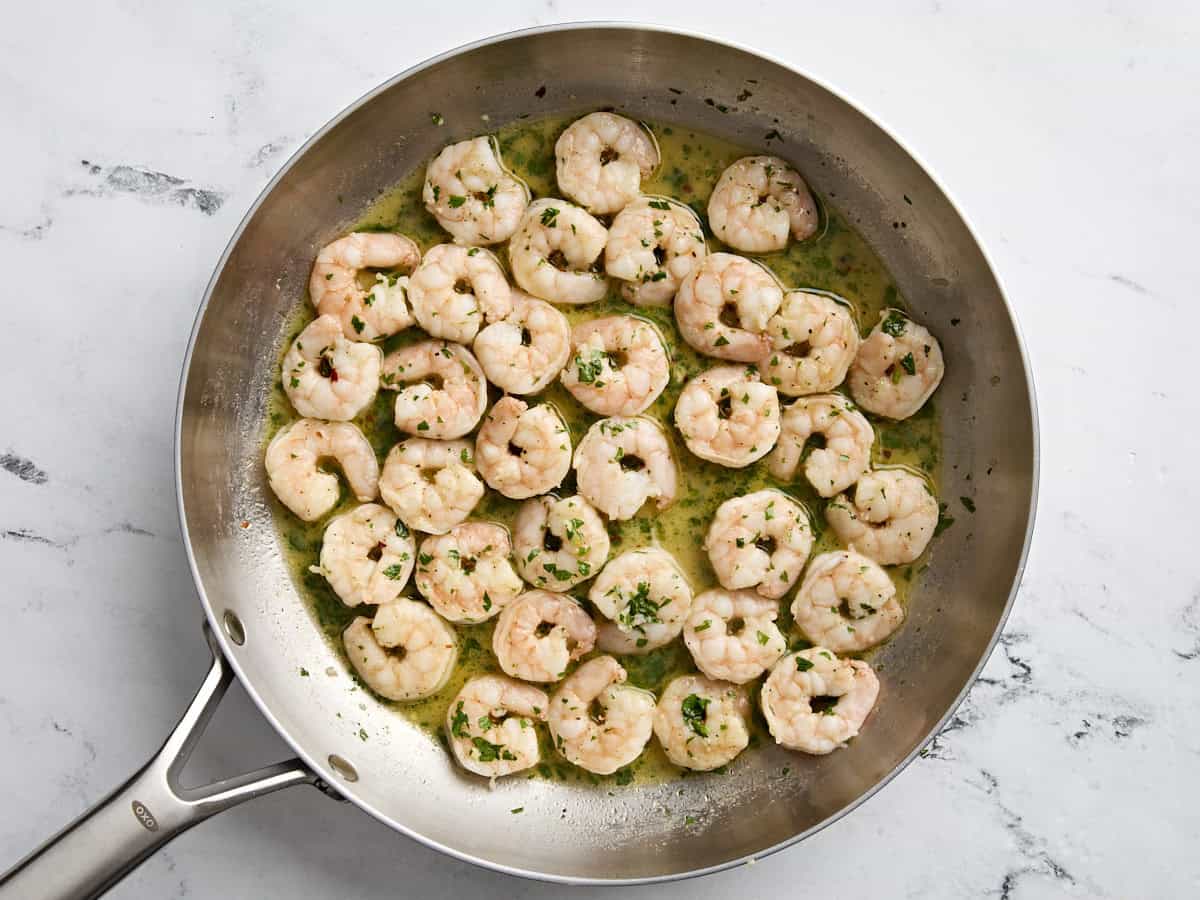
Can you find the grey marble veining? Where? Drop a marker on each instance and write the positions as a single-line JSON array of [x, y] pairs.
[[1070, 137]]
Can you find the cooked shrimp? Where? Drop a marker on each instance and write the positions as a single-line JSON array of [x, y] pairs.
[[813, 342], [598, 722], [758, 201], [645, 596], [815, 674], [467, 574], [623, 462], [898, 367], [602, 159], [539, 634], [831, 438], [524, 351], [365, 314], [890, 515], [490, 725], [759, 541], [328, 377], [292, 458], [442, 389], [728, 416], [455, 290], [618, 367], [654, 243], [732, 635], [430, 485], [701, 723], [405, 653], [559, 542], [523, 450], [723, 307], [366, 555], [846, 602], [472, 195], [555, 253]]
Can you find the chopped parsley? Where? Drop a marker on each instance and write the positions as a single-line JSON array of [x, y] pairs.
[[695, 710], [894, 324]]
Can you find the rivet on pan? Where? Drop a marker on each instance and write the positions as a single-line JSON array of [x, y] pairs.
[[343, 767], [233, 627]]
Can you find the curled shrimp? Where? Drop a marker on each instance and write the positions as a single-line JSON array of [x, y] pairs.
[[758, 201], [815, 702], [898, 367], [442, 389], [846, 603], [601, 161], [328, 377], [472, 195], [759, 541], [467, 573], [623, 462], [702, 724], [645, 597], [455, 290], [490, 724], [728, 416], [556, 252], [732, 635], [292, 458], [830, 437], [724, 305], [654, 243], [813, 342], [371, 313], [524, 351], [523, 450], [598, 722], [618, 365], [430, 485], [890, 515], [366, 555], [559, 542], [540, 633], [405, 653]]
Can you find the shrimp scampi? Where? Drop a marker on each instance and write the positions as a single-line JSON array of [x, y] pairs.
[[524, 351], [623, 462], [456, 290], [556, 252], [702, 724], [598, 722], [889, 515], [328, 377], [601, 161], [541, 633], [366, 555], [760, 541], [292, 466], [618, 365], [559, 542], [724, 306], [846, 603], [898, 367], [654, 243], [430, 485], [829, 437], [490, 725], [758, 202], [813, 342], [467, 573], [815, 702], [366, 313], [645, 597], [732, 635], [728, 416], [442, 389], [405, 653], [472, 195], [523, 450]]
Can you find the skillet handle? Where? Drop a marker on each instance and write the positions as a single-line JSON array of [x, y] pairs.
[[112, 838]]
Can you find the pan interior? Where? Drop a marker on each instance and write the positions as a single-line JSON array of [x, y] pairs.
[[565, 830]]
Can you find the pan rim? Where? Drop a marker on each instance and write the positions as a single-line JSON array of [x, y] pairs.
[[318, 765]]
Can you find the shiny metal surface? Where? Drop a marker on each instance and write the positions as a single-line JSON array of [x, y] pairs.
[[567, 832]]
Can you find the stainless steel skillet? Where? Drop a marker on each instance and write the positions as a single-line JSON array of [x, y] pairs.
[[261, 629]]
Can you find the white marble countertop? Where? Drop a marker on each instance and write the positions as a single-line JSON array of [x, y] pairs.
[[136, 135]]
